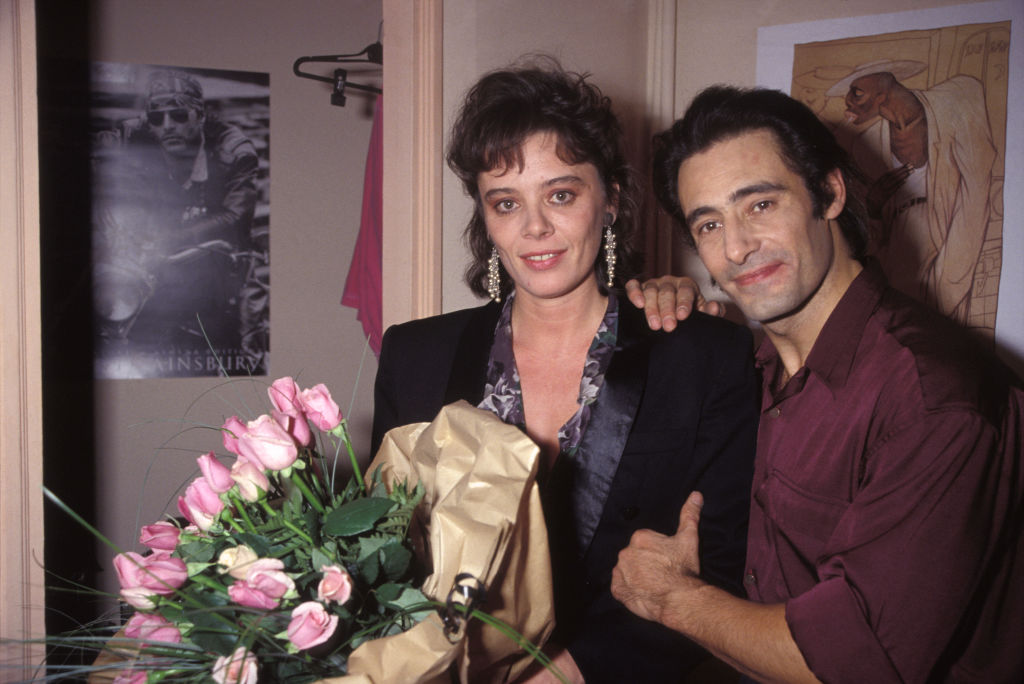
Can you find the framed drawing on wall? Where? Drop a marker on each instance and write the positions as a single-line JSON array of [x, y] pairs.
[[927, 109]]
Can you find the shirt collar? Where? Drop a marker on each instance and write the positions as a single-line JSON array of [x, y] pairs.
[[200, 171], [832, 355]]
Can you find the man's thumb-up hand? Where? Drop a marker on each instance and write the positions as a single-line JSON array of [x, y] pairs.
[[655, 566]]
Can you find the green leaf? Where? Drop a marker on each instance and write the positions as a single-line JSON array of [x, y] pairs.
[[319, 559], [369, 568], [257, 542], [200, 552], [386, 593], [395, 559], [369, 546], [210, 630], [356, 516], [172, 612], [312, 520], [369, 557], [410, 598], [196, 568]]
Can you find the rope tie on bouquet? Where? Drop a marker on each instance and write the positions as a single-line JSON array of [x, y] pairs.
[[467, 593]]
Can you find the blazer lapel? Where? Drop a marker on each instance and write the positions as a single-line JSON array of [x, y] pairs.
[[469, 369], [608, 429]]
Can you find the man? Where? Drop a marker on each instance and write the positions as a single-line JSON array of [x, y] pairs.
[[929, 154], [888, 487], [209, 167], [186, 196]]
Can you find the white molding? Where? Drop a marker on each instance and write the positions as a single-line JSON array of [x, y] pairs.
[[660, 95], [21, 503], [411, 261]]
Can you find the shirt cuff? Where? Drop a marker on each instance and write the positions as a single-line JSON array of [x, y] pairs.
[[831, 632]]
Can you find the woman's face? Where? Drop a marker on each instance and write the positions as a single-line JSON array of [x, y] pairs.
[[545, 219]]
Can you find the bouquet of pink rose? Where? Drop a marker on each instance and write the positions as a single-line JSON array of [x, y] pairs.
[[276, 572]]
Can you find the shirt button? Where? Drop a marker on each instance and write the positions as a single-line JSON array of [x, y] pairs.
[[750, 579], [776, 412]]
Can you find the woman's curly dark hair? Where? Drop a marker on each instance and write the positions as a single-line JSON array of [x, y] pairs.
[[507, 106]]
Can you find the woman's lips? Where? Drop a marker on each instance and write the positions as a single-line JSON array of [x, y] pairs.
[[540, 261]]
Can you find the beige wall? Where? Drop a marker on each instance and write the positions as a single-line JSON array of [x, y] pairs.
[[318, 154]]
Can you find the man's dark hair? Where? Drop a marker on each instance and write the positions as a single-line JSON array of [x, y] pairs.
[[507, 106], [807, 146]]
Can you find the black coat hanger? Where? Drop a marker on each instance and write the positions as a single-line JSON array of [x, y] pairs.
[[371, 54]]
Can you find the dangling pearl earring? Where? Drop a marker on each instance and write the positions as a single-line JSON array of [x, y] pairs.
[[610, 257], [494, 275]]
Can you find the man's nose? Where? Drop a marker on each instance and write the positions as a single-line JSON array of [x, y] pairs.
[[740, 242]]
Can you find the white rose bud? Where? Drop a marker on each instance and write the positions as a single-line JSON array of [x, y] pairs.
[[236, 561]]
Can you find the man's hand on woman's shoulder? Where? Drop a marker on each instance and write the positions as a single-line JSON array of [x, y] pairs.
[[669, 299]]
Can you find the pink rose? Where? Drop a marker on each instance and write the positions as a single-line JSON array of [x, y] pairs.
[[143, 577], [201, 505], [297, 427], [252, 483], [284, 395], [238, 668], [336, 585], [148, 628], [320, 408], [160, 536], [264, 585], [216, 474], [232, 430], [311, 625], [266, 443], [245, 595]]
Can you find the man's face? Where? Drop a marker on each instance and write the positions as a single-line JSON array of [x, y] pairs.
[[752, 220], [863, 98], [178, 128]]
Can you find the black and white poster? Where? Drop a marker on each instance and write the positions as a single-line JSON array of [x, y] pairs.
[[180, 215]]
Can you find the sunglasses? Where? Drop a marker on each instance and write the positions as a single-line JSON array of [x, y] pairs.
[[179, 115]]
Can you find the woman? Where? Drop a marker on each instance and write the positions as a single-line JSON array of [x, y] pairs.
[[629, 422]]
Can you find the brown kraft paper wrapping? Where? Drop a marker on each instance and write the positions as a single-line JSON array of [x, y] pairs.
[[482, 515]]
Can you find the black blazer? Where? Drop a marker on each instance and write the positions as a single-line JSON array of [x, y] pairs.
[[677, 413]]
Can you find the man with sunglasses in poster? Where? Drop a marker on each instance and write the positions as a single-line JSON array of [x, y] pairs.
[[196, 177]]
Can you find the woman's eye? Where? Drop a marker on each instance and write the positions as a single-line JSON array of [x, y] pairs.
[[505, 206], [562, 197]]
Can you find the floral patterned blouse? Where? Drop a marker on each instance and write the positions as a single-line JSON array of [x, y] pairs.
[[504, 396]]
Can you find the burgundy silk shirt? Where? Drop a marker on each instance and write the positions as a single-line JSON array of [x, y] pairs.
[[887, 499]]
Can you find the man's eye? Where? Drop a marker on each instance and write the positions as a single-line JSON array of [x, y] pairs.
[[763, 205], [707, 227]]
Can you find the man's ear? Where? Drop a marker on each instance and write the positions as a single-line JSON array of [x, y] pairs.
[[834, 180]]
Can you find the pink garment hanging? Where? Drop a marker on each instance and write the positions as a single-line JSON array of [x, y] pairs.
[[363, 284]]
